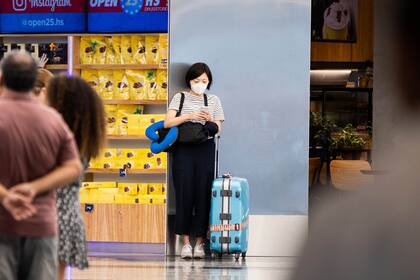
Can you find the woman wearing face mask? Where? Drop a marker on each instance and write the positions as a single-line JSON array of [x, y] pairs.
[[193, 164]]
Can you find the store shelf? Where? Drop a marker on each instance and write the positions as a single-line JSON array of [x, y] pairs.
[[121, 66], [56, 66], [127, 137], [129, 171], [135, 102]]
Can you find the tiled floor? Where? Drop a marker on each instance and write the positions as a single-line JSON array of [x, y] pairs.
[[152, 268]]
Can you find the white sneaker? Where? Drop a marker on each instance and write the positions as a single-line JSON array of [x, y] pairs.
[[199, 252], [186, 252]]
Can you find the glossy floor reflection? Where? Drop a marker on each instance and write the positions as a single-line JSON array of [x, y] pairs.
[[152, 268]]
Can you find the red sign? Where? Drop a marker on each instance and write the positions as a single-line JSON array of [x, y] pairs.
[[42, 6]]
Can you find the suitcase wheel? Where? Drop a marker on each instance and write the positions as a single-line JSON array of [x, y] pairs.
[[243, 256], [237, 256], [213, 255]]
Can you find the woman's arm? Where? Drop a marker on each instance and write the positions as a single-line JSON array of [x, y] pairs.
[[172, 120]]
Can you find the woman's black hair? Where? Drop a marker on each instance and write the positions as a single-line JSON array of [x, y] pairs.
[[195, 71]]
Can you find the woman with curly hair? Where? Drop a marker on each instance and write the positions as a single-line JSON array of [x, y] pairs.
[[83, 111]]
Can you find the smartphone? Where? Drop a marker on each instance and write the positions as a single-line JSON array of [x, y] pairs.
[[205, 109]]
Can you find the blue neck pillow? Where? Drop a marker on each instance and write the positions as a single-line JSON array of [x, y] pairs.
[[159, 146]]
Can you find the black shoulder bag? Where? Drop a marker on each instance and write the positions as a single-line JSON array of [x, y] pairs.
[[189, 132], [193, 133]]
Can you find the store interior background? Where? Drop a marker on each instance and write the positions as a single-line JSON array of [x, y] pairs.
[[336, 104], [263, 62]]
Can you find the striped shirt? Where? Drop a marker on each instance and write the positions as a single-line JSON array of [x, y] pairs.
[[193, 103]]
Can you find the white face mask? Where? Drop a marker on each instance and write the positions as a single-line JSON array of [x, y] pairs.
[[199, 87]]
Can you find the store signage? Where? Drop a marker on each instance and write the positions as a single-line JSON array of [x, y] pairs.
[[128, 16], [42, 16]]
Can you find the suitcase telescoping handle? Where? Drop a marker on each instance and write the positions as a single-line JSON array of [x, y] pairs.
[[217, 155], [217, 163]]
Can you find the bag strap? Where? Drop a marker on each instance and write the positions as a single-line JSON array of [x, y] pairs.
[[206, 103], [181, 104]]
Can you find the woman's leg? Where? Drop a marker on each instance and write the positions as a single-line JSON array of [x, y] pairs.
[[204, 176], [186, 239], [183, 177], [199, 241]]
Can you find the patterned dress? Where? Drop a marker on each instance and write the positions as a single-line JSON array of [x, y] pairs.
[[72, 249]]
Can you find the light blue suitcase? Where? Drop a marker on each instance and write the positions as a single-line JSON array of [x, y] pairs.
[[229, 217]]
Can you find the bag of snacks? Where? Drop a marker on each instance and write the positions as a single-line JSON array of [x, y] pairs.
[[91, 77], [87, 51], [151, 85], [162, 84], [152, 48], [138, 44], [121, 86], [100, 46], [163, 49], [111, 119], [123, 111], [113, 55], [106, 84], [137, 82], [126, 50]]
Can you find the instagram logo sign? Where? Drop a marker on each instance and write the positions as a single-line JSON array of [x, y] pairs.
[[19, 5]]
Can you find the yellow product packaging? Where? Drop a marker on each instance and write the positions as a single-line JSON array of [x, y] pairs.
[[124, 198], [87, 50], [93, 196], [133, 125], [137, 83], [100, 46], [160, 161], [108, 159], [111, 119], [129, 159], [128, 188], [144, 199], [94, 163], [152, 49], [106, 195], [151, 85], [92, 78], [162, 84], [113, 54], [153, 161], [156, 189], [106, 84], [157, 117], [121, 86], [163, 49], [126, 50], [123, 111], [147, 158], [144, 121], [84, 195], [143, 189], [99, 185], [158, 199], [138, 43]]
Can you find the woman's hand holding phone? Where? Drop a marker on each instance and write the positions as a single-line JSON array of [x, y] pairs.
[[198, 116]]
